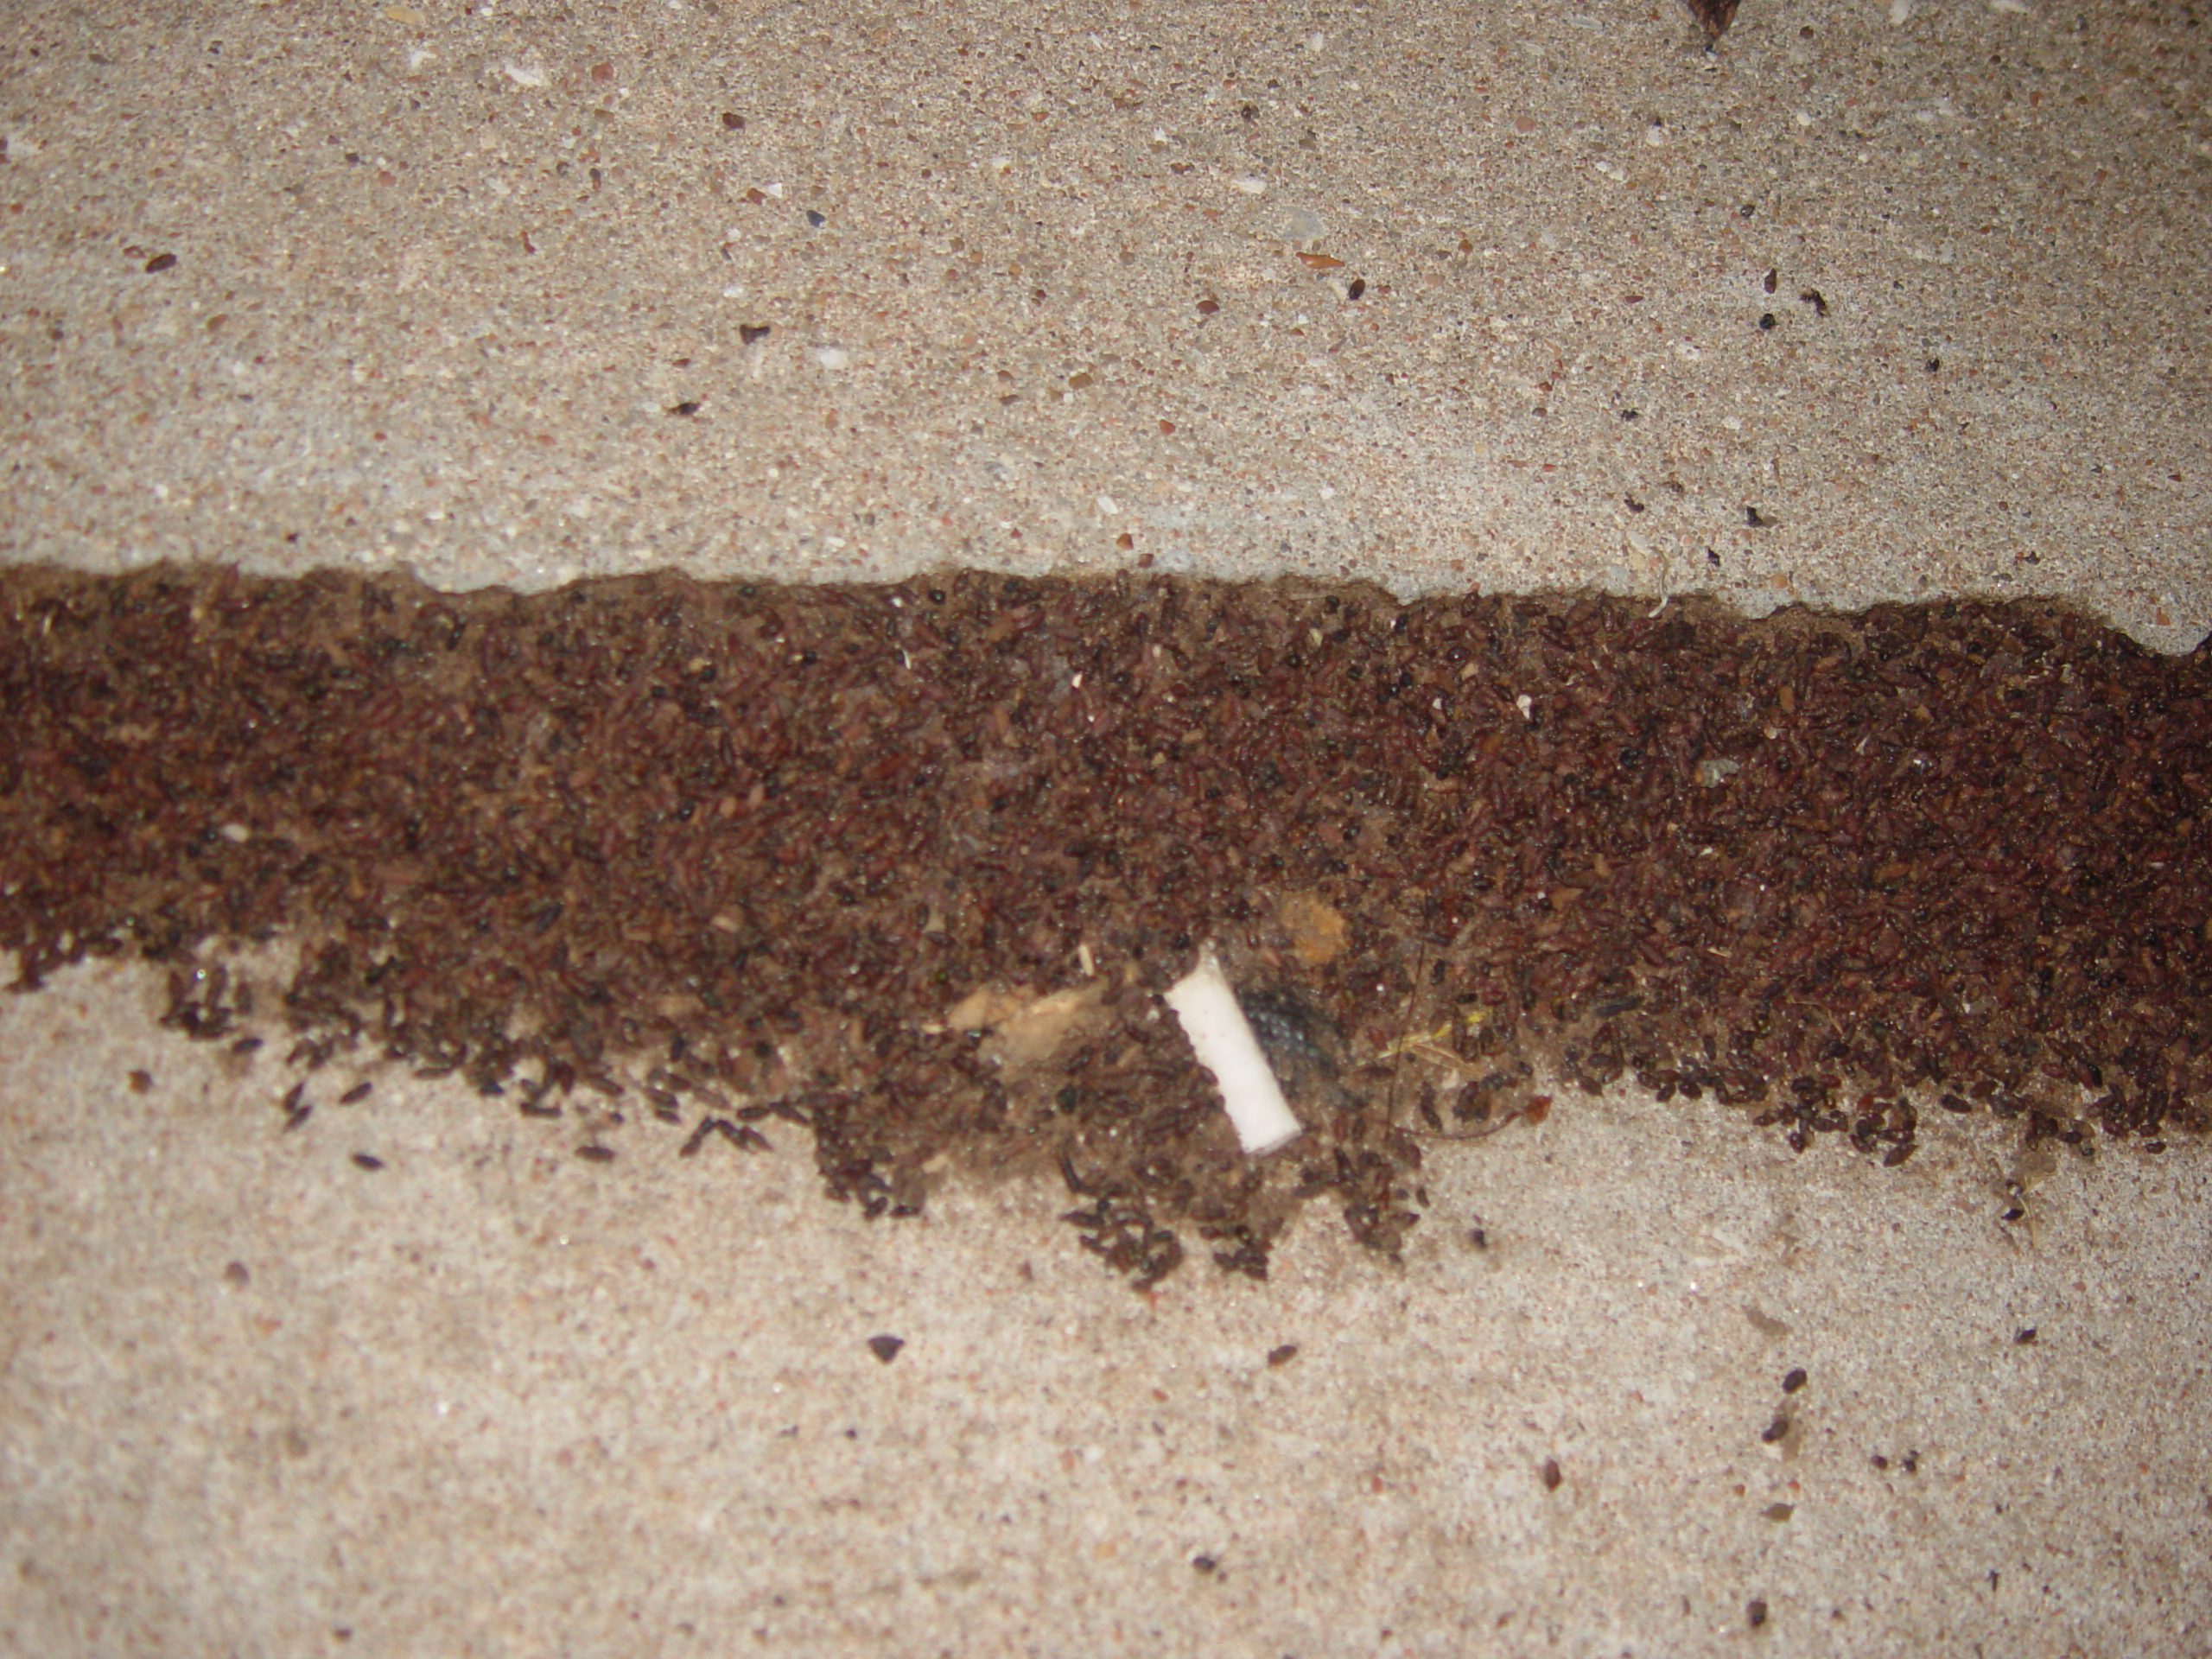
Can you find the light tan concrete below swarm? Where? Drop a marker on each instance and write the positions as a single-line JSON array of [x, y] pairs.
[[492, 1399]]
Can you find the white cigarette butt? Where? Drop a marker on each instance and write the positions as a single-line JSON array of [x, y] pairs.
[[1223, 1040]]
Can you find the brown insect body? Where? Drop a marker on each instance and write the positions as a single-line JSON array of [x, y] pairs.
[[1713, 16]]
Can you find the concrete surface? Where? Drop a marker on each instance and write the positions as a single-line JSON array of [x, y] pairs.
[[1052, 287]]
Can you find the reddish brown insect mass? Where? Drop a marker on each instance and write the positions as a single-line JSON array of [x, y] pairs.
[[740, 847]]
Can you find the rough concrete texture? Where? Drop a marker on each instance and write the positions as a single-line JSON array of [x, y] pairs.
[[1058, 289], [1033, 279]]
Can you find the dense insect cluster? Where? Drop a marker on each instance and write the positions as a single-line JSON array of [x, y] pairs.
[[726, 852]]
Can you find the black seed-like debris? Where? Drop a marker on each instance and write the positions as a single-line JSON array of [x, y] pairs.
[[739, 847]]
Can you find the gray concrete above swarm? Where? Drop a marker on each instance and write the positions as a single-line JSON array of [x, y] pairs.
[[1861, 305]]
